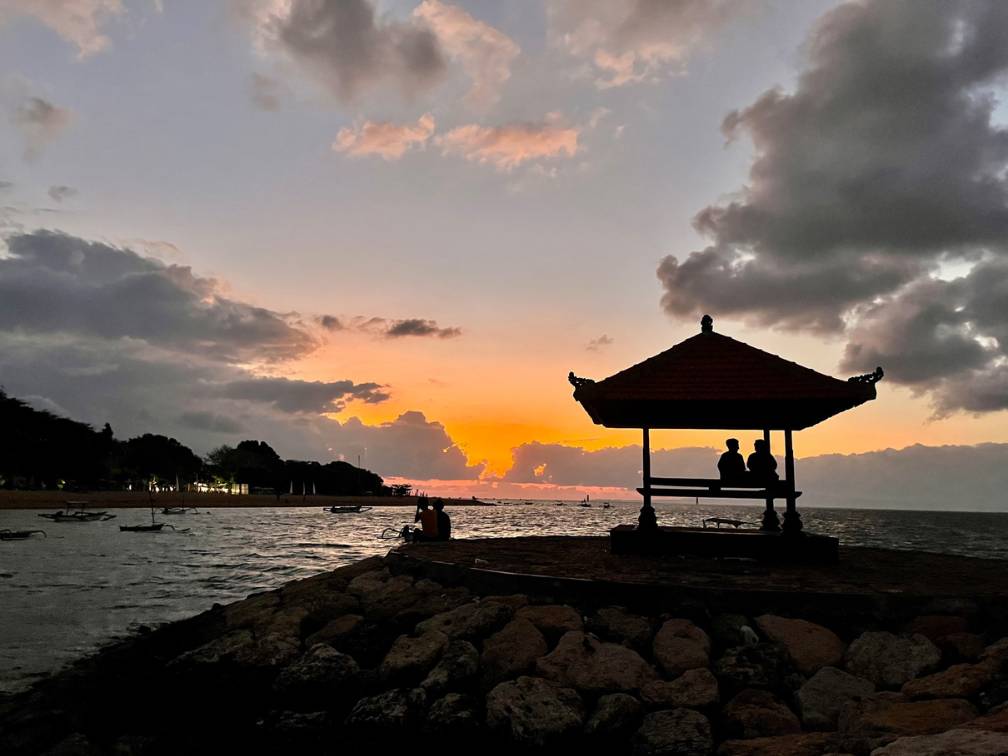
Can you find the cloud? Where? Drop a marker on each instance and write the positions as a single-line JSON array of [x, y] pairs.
[[266, 92], [389, 141], [485, 53], [77, 21], [509, 146], [40, 123], [419, 327], [881, 167], [52, 282], [5, 185], [347, 48], [296, 396], [628, 41], [61, 192], [598, 344], [330, 322], [212, 422]]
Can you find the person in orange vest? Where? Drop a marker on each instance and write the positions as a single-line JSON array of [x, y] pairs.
[[428, 520]]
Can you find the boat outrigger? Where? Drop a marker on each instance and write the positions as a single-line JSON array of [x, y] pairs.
[[179, 510], [76, 512], [19, 535], [346, 509], [154, 527]]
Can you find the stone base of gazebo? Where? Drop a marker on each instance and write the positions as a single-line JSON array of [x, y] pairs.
[[804, 548]]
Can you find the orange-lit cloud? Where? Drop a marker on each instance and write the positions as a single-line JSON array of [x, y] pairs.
[[507, 147], [389, 141]]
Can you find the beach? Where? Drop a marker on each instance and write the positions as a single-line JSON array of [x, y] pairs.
[[131, 499]]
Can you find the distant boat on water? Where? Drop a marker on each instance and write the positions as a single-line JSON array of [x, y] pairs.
[[347, 509], [19, 535], [76, 512], [586, 501], [179, 510]]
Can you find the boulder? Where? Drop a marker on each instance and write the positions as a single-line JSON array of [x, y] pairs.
[[410, 659], [313, 681], [960, 742], [514, 600], [958, 647], [292, 731], [679, 645], [256, 611], [616, 623], [824, 696], [803, 744], [693, 689], [758, 714], [673, 732], [393, 710], [996, 651], [242, 648], [615, 715], [727, 632], [459, 664], [533, 711], [890, 660], [809, 646], [886, 716], [337, 631], [958, 681], [511, 651], [553, 620], [995, 720], [471, 620], [764, 665], [937, 626], [582, 661], [398, 599], [451, 715]]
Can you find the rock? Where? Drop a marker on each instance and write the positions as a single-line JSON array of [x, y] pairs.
[[804, 744], [678, 732], [471, 621], [452, 714], [321, 606], [534, 712], [997, 650], [553, 620], [616, 623], [511, 651], [995, 720], [410, 659], [337, 631], [958, 647], [937, 626], [889, 660], [887, 716], [399, 599], [319, 676], [758, 714], [459, 664], [256, 611], [241, 648], [395, 709], [824, 696], [764, 666], [582, 661], [514, 600], [727, 632], [959, 742], [809, 646], [959, 681], [290, 731], [614, 715], [680, 645], [76, 744], [693, 689]]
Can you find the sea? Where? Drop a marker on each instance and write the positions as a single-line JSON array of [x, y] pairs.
[[88, 584]]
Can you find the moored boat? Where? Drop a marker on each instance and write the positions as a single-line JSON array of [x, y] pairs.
[[346, 509], [76, 512], [19, 535]]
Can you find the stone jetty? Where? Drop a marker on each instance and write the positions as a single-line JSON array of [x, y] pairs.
[[378, 655]]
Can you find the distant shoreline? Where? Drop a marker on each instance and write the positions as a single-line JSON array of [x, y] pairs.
[[132, 499]]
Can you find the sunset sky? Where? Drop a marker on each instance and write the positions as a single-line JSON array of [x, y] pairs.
[[391, 228]]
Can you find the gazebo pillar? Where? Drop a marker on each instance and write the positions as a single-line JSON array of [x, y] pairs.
[[647, 519], [792, 520], [771, 521]]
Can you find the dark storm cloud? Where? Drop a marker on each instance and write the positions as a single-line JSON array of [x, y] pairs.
[[61, 192], [330, 322], [211, 422], [40, 122], [53, 282], [349, 49], [882, 163], [420, 327], [297, 396]]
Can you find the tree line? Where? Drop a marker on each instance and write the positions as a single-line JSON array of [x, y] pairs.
[[39, 449]]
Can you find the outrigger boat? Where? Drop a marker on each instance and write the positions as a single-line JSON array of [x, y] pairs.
[[179, 510], [19, 535], [80, 515], [346, 509], [154, 527], [717, 522]]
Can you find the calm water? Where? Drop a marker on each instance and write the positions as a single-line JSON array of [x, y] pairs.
[[88, 583]]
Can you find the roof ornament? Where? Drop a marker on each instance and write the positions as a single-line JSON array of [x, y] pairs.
[[706, 324], [868, 378], [578, 382]]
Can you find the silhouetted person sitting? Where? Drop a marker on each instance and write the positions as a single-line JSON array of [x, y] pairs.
[[761, 463], [731, 466], [443, 521], [428, 520]]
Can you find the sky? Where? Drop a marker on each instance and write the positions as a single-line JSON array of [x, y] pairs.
[[389, 228]]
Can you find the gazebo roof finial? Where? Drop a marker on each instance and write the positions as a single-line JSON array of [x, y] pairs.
[[706, 324]]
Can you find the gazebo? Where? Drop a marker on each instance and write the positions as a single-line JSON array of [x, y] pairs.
[[712, 381]]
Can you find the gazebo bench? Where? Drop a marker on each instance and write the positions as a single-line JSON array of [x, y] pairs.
[[715, 488]]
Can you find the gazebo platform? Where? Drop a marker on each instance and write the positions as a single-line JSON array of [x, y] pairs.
[[866, 585], [763, 546]]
